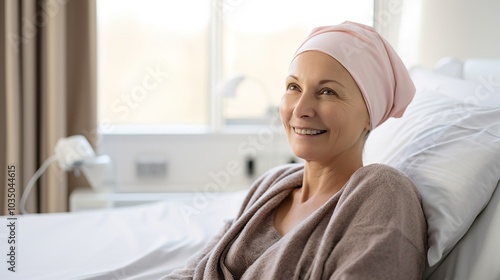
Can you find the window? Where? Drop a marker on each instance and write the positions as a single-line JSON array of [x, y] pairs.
[[188, 63]]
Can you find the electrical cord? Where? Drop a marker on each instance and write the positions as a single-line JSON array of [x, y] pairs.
[[32, 181]]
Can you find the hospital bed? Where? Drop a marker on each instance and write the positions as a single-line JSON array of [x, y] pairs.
[[448, 142]]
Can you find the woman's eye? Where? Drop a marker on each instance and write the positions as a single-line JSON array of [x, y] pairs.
[[328, 91], [292, 87]]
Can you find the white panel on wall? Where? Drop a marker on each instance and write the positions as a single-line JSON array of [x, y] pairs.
[[193, 161]]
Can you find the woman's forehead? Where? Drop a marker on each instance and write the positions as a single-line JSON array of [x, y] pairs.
[[315, 64]]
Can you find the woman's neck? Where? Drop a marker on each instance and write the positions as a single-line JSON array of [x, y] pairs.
[[325, 180]]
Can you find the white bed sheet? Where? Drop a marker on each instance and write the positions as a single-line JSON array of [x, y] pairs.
[[139, 242]]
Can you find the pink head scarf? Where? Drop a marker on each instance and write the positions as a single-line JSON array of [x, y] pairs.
[[378, 71]]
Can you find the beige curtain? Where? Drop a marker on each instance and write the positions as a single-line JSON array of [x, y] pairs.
[[48, 91]]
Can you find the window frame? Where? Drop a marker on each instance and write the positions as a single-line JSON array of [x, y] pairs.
[[215, 120]]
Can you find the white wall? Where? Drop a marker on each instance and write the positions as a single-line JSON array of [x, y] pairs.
[[431, 29]]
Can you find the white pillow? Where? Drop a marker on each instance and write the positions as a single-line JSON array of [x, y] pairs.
[[485, 71], [485, 92], [450, 66], [451, 151]]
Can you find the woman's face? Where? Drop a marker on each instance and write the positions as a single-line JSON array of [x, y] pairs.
[[322, 110]]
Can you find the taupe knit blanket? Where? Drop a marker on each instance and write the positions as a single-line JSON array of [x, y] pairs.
[[373, 228]]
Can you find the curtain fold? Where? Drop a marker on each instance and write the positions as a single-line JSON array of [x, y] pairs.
[[48, 83]]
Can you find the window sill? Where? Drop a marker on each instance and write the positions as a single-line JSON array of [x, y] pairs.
[[189, 129]]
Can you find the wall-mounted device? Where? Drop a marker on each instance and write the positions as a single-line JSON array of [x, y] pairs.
[[75, 153]]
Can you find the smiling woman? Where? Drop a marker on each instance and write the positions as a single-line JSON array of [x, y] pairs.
[[331, 217]]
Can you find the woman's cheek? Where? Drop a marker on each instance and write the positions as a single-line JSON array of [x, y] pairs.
[[285, 107]]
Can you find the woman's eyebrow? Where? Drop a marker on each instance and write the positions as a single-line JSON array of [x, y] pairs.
[[320, 82]]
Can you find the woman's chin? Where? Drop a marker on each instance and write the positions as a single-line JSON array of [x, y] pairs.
[[307, 155]]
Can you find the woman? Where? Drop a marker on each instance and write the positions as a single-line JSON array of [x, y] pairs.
[[332, 217]]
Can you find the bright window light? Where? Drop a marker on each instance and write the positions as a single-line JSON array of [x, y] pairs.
[[154, 56]]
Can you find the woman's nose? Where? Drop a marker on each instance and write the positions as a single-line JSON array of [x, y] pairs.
[[305, 106]]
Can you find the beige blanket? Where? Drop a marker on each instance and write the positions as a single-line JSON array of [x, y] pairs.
[[374, 228]]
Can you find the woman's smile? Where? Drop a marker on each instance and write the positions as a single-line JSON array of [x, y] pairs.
[[308, 131]]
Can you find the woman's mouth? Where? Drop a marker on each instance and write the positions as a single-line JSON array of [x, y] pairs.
[[308, 131]]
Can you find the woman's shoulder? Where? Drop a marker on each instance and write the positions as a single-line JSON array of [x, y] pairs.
[[380, 177], [285, 170], [287, 175], [380, 194], [274, 181], [381, 172]]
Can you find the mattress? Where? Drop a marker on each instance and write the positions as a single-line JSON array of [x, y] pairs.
[[137, 242]]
